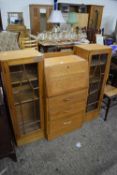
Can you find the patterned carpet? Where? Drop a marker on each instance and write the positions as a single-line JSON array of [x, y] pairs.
[[96, 156]]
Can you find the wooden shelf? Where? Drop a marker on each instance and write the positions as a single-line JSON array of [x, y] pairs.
[[29, 126], [93, 91], [20, 77], [94, 80], [97, 64], [25, 94]]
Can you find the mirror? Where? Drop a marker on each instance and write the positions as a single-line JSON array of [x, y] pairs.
[[15, 18]]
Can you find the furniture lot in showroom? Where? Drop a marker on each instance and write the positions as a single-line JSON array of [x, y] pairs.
[[62, 69]]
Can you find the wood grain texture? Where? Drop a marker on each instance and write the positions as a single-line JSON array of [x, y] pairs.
[[63, 74], [20, 54]]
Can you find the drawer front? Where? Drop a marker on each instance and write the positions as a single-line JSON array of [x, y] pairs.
[[66, 110], [66, 105], [64, 125], [69, 98]]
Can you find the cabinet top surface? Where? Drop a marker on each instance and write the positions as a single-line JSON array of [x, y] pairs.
[[19, 54], [63, 60], [93, 47]]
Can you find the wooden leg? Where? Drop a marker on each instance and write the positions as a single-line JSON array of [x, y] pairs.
[[107, 109]]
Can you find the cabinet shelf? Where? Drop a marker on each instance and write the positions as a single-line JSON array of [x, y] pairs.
[[97, 64], [29, 126], [94, 80], [26, 94], [20, 77], [93, 91], [90, 104]]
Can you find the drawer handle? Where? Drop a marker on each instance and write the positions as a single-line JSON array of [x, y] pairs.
[[67, 123], [67, 99]]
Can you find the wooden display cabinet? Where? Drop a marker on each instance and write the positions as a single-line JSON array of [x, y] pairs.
[[99, 58], [23, 81], [39, 15]]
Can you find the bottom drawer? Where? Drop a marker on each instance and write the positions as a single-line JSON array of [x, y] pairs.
[[64, 125]]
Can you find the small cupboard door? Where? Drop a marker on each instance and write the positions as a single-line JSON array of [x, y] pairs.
[[34, 19], [96, 79], [26, 98], [95, 16], [39, 15]]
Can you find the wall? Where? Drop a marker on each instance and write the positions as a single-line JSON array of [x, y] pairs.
[[108, 20]]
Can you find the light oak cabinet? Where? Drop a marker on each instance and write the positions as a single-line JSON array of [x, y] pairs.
[[22, 73], [39, 15], [99, 58], [66, 80]]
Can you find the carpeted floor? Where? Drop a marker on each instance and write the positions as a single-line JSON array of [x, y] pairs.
[[96, 156]]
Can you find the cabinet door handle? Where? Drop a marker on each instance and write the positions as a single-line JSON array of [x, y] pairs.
[[67, 123]]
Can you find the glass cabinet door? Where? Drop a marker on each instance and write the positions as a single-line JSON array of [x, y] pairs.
[[25, 88], [97, 70]]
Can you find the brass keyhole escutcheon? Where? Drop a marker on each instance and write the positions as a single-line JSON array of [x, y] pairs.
[[68, 67]]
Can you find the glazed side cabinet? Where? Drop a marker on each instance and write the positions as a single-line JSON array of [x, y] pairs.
[[99, 57], [22, 74]]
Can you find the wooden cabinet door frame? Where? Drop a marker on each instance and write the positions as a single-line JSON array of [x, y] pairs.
[[9, 93]]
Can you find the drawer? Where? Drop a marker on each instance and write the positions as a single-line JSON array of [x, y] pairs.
[[65, 76], [64, 125], [66, 105], [69, 98], [66, 110]]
